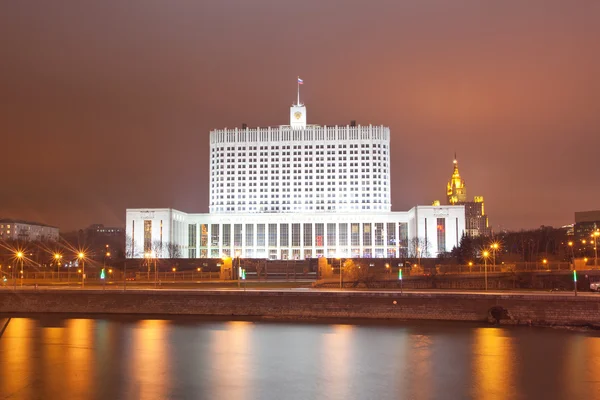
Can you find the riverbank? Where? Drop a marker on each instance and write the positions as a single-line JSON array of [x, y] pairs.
[[517, 309]]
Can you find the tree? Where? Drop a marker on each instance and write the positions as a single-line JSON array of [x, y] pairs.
[[354, 271], [465, 251], [418, 247], [130, 251], [173, 250], [158, 249]]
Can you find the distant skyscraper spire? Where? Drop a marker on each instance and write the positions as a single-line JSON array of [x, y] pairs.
[[456, 189]]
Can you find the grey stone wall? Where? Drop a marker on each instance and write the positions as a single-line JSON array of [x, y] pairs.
[[561, 309]]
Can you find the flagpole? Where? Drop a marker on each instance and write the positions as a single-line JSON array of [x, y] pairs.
[[298, 91]]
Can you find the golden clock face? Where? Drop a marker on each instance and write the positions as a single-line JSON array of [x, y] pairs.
[[297, 114]]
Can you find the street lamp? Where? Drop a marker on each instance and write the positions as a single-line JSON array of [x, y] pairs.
[[572, 253], [81, 257], [486, 254], [57, 257], [20, 256], [494, 247], [239, 269], [595, 235], [147, 257], [341, 272]]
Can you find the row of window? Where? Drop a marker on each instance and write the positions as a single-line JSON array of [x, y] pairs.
[[298, 235], [300, 147]]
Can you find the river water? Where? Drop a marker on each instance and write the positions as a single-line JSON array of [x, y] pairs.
[[185, 358]]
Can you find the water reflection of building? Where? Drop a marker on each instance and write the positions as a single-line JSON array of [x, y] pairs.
[[297, 191], [476, 221]]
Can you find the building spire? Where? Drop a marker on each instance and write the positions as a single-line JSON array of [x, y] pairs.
[[456, 190], [300, 82]]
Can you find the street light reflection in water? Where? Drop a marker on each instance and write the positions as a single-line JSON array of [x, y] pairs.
[[125, 358]]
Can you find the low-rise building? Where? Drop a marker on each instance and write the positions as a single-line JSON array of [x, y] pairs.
[[26, 231], [586, 222]]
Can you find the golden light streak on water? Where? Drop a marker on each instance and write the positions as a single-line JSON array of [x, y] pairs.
[[16, 361], [150, 362], [54, 361], [80, 357], [493, 355], [231, 357], [336, 360]]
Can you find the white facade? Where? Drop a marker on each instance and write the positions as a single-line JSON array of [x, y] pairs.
[[294, 192], [423, 231], [11, 229], [315, 169]]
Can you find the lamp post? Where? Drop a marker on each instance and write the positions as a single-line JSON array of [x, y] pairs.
[[57, 257], [494, 247], [20, 256], [239, 270], [147, 257], [155, 271], [341, 271], [81, 257], [486, 254], [388, 269], [595, 235], [572, 253]]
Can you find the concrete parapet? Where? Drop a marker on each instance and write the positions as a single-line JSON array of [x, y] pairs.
[[550, 309]]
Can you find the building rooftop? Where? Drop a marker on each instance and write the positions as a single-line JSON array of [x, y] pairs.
[[22, 221]]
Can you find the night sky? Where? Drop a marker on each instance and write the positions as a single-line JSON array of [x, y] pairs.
[[106, 105]]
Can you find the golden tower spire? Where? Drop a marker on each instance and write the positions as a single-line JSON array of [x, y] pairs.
[[456, 190]]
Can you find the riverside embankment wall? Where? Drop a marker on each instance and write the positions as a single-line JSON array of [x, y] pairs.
[[551, 309]]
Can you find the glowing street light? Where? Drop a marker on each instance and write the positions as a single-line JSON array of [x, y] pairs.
[[341, 271], [595, 236], [570, 243], [81, 257], [57, 257], [494, 246], [20, 256], [486, 254]]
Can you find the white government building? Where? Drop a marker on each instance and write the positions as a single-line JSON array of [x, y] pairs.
[[297, 191]]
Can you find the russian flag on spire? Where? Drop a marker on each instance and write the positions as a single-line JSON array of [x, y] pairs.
[[300, 81]]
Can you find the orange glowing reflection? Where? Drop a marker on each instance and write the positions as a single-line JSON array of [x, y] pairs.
[[336, 360], [232, 357], [16, 359], [492, 358], [53, 356], [80, 356], [150, 364]]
